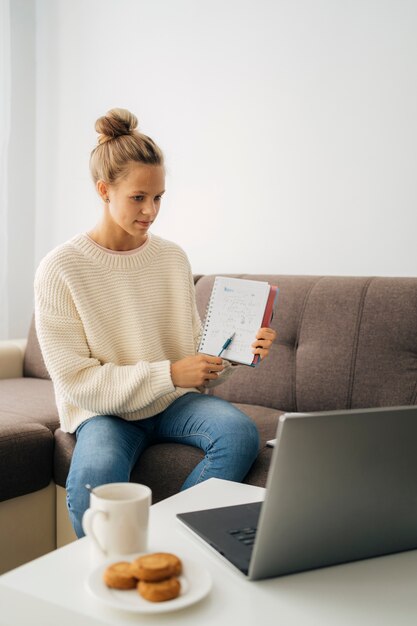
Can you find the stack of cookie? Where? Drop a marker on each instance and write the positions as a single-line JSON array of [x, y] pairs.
[[154, 575]]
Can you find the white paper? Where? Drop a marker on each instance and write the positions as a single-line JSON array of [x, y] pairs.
[[236, 306]]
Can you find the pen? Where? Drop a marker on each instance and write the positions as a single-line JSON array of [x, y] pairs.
[[226, 344]]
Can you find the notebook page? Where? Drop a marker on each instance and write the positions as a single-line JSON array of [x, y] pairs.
[[236, 306]]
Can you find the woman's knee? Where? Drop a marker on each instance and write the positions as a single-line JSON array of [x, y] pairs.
[[98, 454], [253, 437], [95, 470], [239, 432], [245, 436]]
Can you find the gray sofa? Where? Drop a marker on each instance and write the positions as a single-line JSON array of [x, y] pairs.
[[343, 342]]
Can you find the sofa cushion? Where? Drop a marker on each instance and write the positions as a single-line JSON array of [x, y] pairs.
[[28, 400], [164, 467], [33, 364], [386, 362], [343, 342], [26, 453]]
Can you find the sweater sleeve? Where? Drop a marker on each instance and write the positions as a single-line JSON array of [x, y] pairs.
[[79, 378]]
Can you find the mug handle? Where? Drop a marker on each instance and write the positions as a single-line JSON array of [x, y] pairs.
[[87, 523]]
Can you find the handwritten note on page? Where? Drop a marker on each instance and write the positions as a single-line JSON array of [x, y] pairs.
[[237, 306]]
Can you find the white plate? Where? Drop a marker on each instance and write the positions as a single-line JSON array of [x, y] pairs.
[[195, 585]]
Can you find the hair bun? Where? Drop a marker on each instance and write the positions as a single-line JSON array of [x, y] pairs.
[[115, 123]]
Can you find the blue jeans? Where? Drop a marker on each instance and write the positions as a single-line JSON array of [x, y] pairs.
[[108, 447]]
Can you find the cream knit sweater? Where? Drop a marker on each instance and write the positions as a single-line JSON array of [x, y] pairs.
[[109, 326]]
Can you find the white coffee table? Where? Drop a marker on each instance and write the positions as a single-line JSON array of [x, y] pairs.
[[51, 591]]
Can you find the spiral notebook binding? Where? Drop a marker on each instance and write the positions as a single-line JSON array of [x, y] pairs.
[[208, 314]]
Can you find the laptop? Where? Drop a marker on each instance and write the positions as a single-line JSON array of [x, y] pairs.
[[342, 486]]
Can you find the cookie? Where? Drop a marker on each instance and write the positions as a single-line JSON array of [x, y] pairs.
[[174, 561], [161, 591], [155, 567], [119, 576]]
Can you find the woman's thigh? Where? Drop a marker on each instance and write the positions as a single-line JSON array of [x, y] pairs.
[[196, 419], [227, 436]]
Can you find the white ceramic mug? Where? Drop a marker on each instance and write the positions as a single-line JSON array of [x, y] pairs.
[[117, 520]]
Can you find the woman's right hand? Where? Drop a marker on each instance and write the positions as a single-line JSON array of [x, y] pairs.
[[196, 370]]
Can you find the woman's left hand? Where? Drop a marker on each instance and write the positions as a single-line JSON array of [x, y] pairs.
[[264, 340]]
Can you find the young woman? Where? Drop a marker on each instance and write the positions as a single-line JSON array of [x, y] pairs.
[[119, 329]]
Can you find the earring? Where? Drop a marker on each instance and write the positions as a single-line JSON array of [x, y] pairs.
[[107, 200]]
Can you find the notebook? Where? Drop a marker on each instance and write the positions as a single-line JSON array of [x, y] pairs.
[[341, 487], [236, 310]]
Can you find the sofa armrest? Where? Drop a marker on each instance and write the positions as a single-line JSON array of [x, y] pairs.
[[12, 352]]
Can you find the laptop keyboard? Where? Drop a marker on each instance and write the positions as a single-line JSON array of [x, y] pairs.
[[244, 535]]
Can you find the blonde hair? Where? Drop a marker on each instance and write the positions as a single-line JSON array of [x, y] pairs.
[[119, 144]]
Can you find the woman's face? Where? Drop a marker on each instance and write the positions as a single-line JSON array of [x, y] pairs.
[[135, 199]]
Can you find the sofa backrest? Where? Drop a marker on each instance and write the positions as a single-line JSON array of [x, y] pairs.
[[343, 342]]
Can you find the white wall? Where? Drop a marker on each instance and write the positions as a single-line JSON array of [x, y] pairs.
[[289, 126], [21, 183]]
